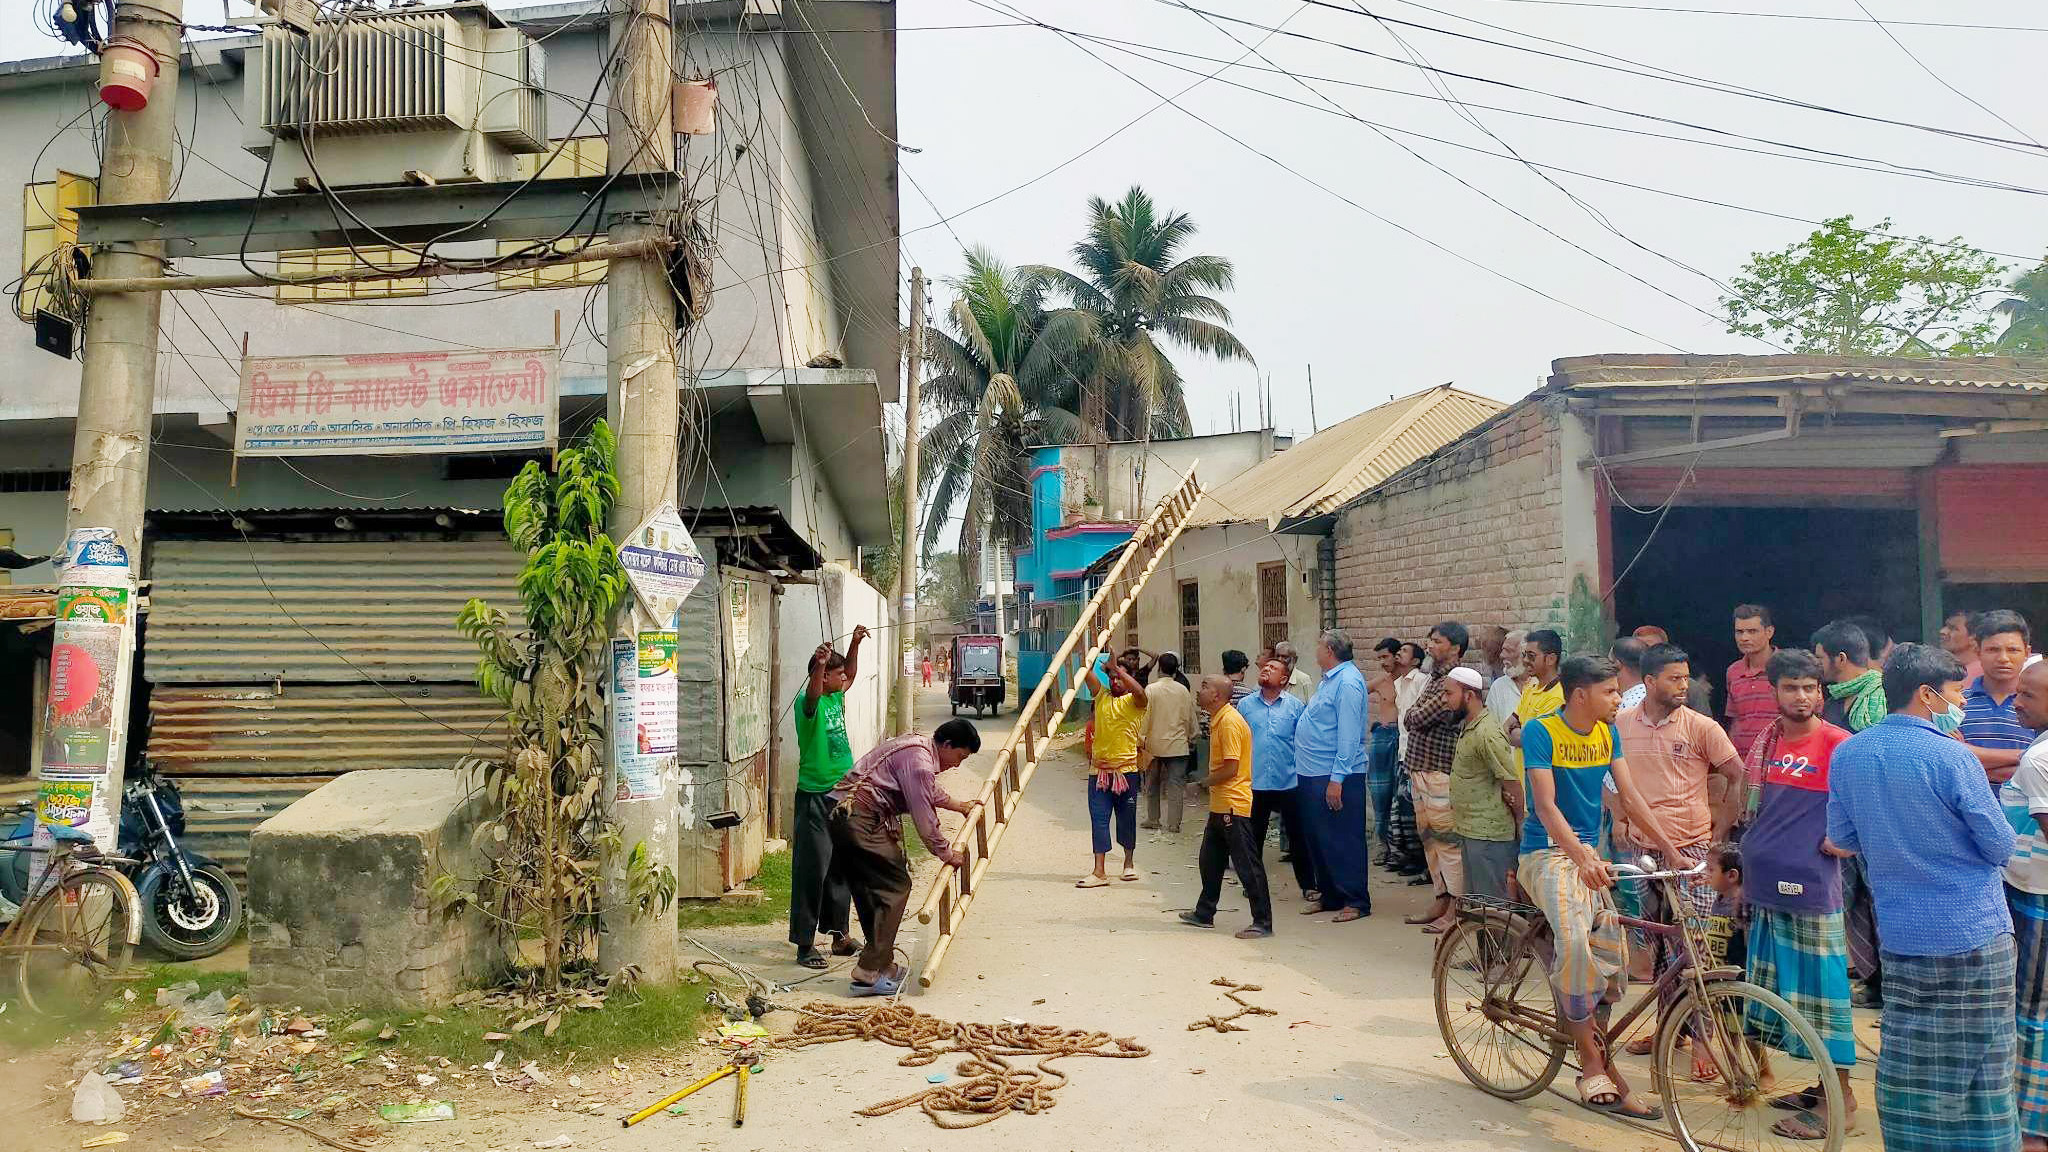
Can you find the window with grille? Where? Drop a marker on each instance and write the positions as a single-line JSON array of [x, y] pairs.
[[49, 217], [1272, 604], [348, 260], [576, 156], [1191, 625]]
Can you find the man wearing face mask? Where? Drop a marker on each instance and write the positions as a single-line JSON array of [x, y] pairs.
[[1913, 803]]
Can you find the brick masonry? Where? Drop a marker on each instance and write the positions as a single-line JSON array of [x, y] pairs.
[[1474, 532]]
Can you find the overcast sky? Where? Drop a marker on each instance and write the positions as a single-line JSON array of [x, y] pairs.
[[1371, 302]]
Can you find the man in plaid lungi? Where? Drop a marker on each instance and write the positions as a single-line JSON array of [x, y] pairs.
[[2025, 798]]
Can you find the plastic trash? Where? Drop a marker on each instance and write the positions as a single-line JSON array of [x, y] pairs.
[[417, 1113], [175, 995], [205, 1084], [211, 1012], [94, 1101]]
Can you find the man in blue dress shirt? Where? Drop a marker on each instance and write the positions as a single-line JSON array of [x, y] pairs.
[[1274, 714], [1915, 804], [1330, 777]]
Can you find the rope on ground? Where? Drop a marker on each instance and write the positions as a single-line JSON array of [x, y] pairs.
[[988, 1086], [1244, 1007]]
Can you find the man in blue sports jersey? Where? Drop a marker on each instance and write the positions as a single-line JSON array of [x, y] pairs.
[[1567, 758]]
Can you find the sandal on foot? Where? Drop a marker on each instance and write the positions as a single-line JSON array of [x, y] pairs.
[[845, 946], [885, 985], [1646, 1112], [1130, 873], [1640, 1046], [1189, 918], [1092, 881], [1598, 1093], [813, 959], [1804, 1100], [1801, 1125], [1346, 916]]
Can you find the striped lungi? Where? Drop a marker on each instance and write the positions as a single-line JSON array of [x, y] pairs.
[[1859, 916], [1803, 957], [2030, 929], [1590, 951], [1401, 829], [1439, 828], [1695, 904], [1945, 1068]]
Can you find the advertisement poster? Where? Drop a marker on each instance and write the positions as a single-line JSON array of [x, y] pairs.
[[656, 732], [643, 713], [87, 696], [662, 563], [398, 402]]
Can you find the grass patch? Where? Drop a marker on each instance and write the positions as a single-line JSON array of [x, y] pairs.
[[774, 883], [665, 1017]]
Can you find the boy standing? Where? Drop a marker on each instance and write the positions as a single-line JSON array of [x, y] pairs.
[[818, 895]]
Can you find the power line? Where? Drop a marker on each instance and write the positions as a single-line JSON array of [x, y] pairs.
[[1771, 15], [1312, 182], [1936, 76]]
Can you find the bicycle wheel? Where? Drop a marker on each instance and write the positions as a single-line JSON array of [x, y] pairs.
[[73, 940], [1483, 971], [1730, 1108]]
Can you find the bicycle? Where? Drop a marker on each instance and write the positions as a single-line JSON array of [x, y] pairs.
[[1498, 1019], [75, 933]]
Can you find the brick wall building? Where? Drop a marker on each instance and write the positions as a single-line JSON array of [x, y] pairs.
[[1477, 531]]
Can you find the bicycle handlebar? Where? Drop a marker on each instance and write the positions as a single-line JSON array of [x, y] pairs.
[[1648, 870]]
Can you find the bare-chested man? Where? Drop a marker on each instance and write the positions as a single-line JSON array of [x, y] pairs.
[[1383, 739]]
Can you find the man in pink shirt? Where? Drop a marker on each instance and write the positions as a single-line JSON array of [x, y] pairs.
[[897, 778], [1688, 773], [1751, 702]]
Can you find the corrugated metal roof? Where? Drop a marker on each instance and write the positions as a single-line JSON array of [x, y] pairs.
[[318, 729], [2029, 373], [256, 611], [1332, 466]]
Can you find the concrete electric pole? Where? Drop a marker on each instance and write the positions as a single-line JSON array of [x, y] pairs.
[[644, 411], [110, 448], [906, 552]]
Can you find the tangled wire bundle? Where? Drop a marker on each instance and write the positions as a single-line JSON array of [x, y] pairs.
[[988, 1086], [1223, 1023]]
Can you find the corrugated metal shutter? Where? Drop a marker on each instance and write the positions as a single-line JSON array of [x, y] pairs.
[[318, 729], [1642, 484], [257, 612], [1988, 514], [220, 813]]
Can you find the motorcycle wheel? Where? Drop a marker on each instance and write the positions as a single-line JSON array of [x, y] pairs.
[[200, 924]]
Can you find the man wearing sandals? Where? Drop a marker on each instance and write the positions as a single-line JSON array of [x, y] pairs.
[[1568, 757], [1913, 802], [1120, 712], [818, 897], [1792, 882], [898, 778]]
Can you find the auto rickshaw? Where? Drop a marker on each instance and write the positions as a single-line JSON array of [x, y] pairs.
[[977, 681]]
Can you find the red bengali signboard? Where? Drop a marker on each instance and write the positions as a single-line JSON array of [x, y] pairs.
[[389, 403]]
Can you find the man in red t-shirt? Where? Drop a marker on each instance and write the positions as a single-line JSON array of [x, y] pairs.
[[1792, 884], [1750, 704]]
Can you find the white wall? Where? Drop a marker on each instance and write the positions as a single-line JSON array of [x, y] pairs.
[[1224, 560], [1165, 463], [811, 615]]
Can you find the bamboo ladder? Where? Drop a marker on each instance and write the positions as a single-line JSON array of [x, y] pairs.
[[952, 891]]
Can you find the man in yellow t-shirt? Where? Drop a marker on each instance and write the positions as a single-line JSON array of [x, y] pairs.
[[1113, 785], [1227, 839], [1542, 656]]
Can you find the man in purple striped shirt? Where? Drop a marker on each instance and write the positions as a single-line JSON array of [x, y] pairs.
[[897, 778]]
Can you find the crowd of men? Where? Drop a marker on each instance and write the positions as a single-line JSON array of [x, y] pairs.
[[1869, 818]]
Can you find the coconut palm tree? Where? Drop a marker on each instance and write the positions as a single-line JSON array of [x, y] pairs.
[[2026, 313], [1137, 295], [1005, 378]]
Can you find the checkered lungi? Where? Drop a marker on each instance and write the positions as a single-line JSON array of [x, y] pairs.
[[1945, 1066], [1439, 828], [1696, 903], [1803, 957], [2030, 928], [1401, 830], [1589, 961]]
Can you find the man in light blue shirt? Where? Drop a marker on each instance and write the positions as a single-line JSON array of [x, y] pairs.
[[1274, 715], [1915, 804], [1330, 778]]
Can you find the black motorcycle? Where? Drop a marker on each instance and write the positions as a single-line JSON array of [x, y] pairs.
[[190, 906]]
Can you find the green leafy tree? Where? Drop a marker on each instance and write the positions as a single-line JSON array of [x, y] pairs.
[[1140, 296], [1003, 380], [547, 831], [2025, 313], [1846, 291], [949, 589]]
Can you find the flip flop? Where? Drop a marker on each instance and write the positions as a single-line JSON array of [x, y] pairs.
[[1801, 1101], [1092, 881], [1650, 1113], [1591, 1088], [1811, 1121], [1346, 916], [1192, 920], [1130, 873], [883, 986]]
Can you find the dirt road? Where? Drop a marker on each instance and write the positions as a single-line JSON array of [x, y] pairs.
[[1352, 1059]]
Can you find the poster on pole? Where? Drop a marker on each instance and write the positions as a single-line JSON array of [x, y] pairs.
[[662, 563], [394, 403], [643, 713], [85, 698]]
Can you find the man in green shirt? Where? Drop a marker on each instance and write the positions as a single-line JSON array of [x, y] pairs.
[[819, 896], [1486, 789]]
